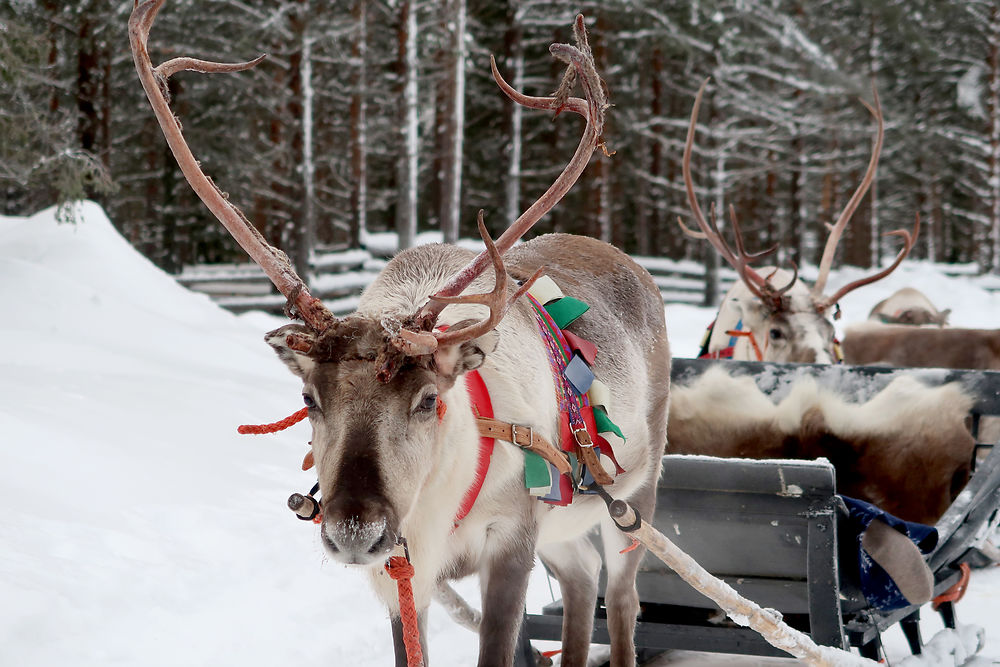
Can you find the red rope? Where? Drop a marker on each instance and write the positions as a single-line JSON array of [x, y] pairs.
[[753, 341], [401, 570], [632, 547], [259, 429]]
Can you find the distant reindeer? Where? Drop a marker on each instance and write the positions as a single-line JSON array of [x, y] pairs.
[[395, 439], [867, 343], [760, 321], [908, 306]]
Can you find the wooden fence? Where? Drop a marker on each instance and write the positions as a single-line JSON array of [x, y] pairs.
[[340, 277]]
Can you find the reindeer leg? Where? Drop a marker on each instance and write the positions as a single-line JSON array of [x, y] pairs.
[[399, 648], [575, 564], [504, 582], [621, 597]]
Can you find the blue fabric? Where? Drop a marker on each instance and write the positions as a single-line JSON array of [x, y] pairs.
[[579, 375], [879, 588]]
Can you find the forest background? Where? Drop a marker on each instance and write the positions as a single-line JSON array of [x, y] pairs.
[[382, 115]]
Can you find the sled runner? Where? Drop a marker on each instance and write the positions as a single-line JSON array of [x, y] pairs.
[[778, 533]]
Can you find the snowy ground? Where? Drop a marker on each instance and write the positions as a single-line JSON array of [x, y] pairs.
[[140, 529]]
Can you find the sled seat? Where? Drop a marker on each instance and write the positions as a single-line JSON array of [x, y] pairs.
[[766, 528]]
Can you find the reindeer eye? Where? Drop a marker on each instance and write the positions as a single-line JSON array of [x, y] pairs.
[[776, 334], [428, 403], [308, 400]]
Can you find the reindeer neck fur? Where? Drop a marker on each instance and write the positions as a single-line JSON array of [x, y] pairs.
[[804, 335]]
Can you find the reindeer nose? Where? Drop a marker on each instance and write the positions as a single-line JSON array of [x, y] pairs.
[[354, 541]]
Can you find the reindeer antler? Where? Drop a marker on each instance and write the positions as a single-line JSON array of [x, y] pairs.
[[838, 228], [836, 231], [823, 302], [273, 261], [741, 259], [423, 342], [417, 337]]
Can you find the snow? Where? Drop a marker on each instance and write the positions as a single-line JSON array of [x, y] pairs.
[[140, 529]]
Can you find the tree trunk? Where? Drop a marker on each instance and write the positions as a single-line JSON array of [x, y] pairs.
[[651, 240], [992, 263], [515, 59], [602, 182], [359, 138], [875, 59], [87, 91], [796, 203], [406, 207], [300, 234], [455, 124]]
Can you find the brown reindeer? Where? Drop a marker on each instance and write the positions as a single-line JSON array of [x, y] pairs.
[[395, 439], [775, 316], [906, 450], [922, 347], [908, 305]]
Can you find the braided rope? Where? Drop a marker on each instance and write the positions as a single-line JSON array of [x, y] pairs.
[[401, 571], [259, 429]]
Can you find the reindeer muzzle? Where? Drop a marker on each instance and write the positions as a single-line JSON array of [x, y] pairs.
[[360, 534]]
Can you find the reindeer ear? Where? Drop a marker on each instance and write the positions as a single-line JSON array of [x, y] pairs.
[[292, 343], [453, 360]]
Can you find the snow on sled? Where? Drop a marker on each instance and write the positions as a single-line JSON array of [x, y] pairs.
[[778, 532]]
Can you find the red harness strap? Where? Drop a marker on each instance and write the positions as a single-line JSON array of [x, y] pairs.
[[753, 342], [482, 407]]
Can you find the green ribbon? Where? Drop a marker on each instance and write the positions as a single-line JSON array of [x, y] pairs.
[[604, 423], [565, 310], [536, 471]]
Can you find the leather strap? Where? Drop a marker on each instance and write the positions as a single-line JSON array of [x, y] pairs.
[[526, 438], [591, 458]]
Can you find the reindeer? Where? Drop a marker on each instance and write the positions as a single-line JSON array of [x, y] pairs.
[[910, 306], [394, 437], [760, 321], [867, 343]]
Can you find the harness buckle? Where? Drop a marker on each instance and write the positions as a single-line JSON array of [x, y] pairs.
[[582, 437], [513, 435], [401, 542]]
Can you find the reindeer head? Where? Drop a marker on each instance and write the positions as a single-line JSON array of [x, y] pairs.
[[788, 320], [372, 384], [374, 389], [374, 440]]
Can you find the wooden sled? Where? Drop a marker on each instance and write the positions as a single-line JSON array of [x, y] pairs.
[[769, 529]]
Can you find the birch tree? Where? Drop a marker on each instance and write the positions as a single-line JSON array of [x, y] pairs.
[[514, 62], [455, 123], [359, 129], [406, 206]]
